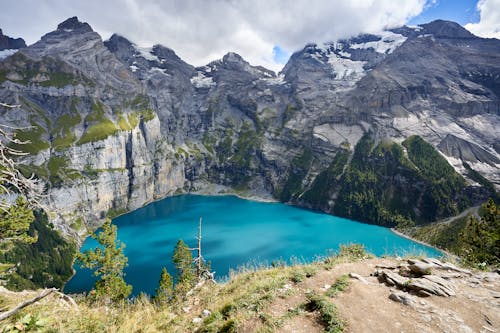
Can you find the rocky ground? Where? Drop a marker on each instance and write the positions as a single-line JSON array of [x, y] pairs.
[[340, 295], [468, 302]]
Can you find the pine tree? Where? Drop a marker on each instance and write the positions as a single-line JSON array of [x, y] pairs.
[[185, 272], [480, 239], [165, 291], [15, 217], [108, 261]]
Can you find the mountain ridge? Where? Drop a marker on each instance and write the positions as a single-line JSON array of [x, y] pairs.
[[118, 126]]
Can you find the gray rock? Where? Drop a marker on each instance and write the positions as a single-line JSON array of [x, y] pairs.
[[402, 298], [395, 279], [421, 268], [358, 277], [205, 313], [433, 285]]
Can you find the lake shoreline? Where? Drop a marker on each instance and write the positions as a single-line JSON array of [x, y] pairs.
[[237, 230], [444, 252]]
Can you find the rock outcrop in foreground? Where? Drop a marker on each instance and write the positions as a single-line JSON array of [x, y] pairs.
[[339, 294]]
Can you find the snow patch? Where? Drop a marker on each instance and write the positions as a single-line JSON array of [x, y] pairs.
[[415, 27], [389, 42], [158, 69], [202, 81], [134, 68], [278, 80], [146, 53], [346, 68], [317, 57], [7, 53]]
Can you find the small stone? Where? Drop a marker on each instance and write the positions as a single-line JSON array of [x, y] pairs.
[[358, 277], [327, 286], [205, 313], [427, 318], [401, 298], [197, 320], [186, 309]]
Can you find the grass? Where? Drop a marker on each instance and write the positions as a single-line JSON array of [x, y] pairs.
[[32, 139], [99, 131], [40, 171], [59, 172], [246, 298], [328, 313], [64, 137], [340, 285]]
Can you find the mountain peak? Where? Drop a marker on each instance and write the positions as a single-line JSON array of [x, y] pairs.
[[446, 29], [232, 57], [7, 43], [74, 24]]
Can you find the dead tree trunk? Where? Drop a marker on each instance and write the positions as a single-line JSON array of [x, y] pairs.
[[24, 304], [199, 258]]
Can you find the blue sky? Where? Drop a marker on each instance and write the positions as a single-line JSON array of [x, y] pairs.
[[460, 11]]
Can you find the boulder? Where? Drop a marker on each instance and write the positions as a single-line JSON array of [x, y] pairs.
[[421, 268], [433, 285]]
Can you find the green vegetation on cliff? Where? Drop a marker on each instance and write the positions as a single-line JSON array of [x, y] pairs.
[[324, 185], [444, 186], [99, 127], [32, 136], [477, 241], [382, 186], [47, 72], [45, 263], [298, 170]]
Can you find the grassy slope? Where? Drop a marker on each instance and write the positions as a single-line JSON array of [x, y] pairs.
[[244, 302]]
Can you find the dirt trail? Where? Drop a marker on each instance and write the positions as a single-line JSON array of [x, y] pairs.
[[365, 305]]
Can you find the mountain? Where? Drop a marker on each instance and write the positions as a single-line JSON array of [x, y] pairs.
[[394, 129], [8, 43], [9, 46]]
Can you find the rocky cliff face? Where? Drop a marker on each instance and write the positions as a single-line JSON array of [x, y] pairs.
[[8, 43], [114, 126]]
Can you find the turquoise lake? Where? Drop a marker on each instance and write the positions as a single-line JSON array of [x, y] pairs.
[[235, 232]]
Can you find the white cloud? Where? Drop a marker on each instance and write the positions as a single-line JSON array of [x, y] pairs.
[[200, 31], [489, 23]]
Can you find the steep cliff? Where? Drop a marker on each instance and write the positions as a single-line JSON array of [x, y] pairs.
[[114, 125]]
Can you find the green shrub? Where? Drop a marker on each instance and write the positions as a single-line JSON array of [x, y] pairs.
[[340, 285], [353, 251], [328, 313]]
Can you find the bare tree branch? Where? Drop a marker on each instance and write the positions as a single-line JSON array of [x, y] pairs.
[[20, 306], [11, 179]]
